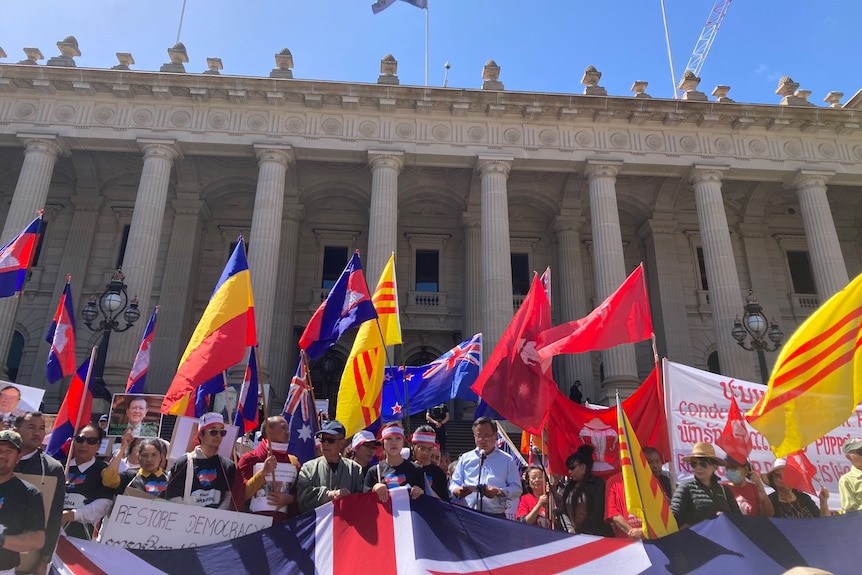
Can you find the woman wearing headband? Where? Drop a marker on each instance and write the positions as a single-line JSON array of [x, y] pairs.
[[424, 444], [394, 471]]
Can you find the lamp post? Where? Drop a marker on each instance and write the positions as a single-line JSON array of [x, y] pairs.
[[111, 304], [755, 326]]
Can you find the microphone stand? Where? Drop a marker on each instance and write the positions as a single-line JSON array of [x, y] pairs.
[[479, 490]]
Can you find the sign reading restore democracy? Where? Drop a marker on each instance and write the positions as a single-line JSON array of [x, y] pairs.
[[137, 523], [698, 402]]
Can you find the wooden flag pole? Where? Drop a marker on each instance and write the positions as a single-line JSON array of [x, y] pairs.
[[81, 406]]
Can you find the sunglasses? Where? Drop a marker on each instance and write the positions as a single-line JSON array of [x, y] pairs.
[[88, 440], [701, 463], [330, 439], [215, 432]]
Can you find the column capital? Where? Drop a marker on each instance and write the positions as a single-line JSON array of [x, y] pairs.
[[658, 226], [166, 149], [87, 202], [804, 179], [189, 207], [603, 168], [706, 173], [47, 143], [494, 164], [393, 159], [278, 153], [567, 223], [294, 212], [470, 220]]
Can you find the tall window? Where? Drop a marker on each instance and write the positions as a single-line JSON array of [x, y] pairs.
[[427, 270], [520, 274], [123, 243], [334, 260], [701, 267], [800, 272]]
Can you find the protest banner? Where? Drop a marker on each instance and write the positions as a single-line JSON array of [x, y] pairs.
[[698, 402], [137, 523]]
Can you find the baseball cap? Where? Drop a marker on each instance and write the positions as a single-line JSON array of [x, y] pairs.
[[103, 417], [333, 428], [12, 437], [852, 445], [361, 438], [210, 419]]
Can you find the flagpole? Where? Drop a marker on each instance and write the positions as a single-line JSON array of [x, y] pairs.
[[81, 405], [310, 384], [427, 26], [666, 397]]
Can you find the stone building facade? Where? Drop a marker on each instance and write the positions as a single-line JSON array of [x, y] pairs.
[[158, 172]]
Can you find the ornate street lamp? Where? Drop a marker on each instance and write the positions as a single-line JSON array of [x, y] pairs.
[[755, 327], [110, 305]]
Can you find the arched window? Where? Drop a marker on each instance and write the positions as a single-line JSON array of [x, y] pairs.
[[16, 353], [326, 377], [712, 363]]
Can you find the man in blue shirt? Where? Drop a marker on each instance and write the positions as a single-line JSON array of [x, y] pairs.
[[486, 478]]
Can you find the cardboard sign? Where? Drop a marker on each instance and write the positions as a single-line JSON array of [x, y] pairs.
[[285, 477], [137, 523], [46, 484]]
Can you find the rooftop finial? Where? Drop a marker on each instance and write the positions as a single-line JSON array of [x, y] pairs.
[[283, 65]]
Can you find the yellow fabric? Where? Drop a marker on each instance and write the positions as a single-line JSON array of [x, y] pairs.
[[644, 495], [362, 380], [816, 383]]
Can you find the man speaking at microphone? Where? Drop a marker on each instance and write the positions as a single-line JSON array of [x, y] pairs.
[[486, 478]]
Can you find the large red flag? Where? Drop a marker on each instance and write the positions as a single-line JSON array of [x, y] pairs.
[[623, 317], [735, 439], [514, 382], [570, 425]]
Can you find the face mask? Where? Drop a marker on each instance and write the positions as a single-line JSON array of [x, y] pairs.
[[733, 475]]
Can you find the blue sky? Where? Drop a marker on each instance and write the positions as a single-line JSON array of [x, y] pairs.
[[540, 46]]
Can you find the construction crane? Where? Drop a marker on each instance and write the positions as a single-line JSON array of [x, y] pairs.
[[707, 37]]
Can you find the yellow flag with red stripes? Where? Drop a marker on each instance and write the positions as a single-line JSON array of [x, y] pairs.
[[362, 381], [644, 495], [816, 383]]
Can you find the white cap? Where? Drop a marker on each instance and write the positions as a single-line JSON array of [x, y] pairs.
[[210, 419], [362, 437]]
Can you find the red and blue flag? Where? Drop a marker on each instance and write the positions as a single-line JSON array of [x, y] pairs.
[[138, 375], [347, 305], [246, 409], [61, 336], [300, 413], [67, 421], [16, 256], [448, 377]]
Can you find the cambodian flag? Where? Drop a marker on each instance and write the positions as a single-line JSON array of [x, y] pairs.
[[222, 335], [246, 410], [61, 336], [15, 258], [300, 412], [141, 367], [347, 305], [67, 421]]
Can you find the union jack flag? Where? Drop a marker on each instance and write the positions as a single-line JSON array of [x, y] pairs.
[[300, 413], [469, 351]]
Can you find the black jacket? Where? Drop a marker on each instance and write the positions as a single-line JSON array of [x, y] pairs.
[[693, 501]]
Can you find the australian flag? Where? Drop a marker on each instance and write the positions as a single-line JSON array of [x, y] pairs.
[[15, 258], [347, 305], [61, 336], [447, 377], [300, 413]]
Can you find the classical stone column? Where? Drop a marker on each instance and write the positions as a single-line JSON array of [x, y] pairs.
[[31, 192], [669, 319], [497, 302], [145, 234], [620, 364], [265, 241], [383, 215], [725, 297], [571, 298], [282, 359], [472, 274], [176, 294], [827, 262]]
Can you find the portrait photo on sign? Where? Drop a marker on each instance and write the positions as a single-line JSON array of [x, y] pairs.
[[138, 412], [186, 431], [15, 399]]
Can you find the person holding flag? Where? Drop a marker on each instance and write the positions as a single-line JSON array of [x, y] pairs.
[[747, 486], [790, 502]]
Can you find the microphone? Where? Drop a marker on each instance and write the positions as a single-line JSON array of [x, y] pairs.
[[479, 487], [482, 455]]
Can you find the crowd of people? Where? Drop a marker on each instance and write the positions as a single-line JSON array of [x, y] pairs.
[[486, 479]]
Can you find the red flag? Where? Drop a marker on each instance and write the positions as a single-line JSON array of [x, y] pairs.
[[735, 439], [570, 425], [514, 382], [623, 317], [799, 473]]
